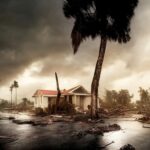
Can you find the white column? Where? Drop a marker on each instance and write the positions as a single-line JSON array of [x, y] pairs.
[[75, 99], [41, 101]]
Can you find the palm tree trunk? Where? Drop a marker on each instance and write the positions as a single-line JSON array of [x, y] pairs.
[[58, 93], [96, 78], [11, 99], [16, 96]]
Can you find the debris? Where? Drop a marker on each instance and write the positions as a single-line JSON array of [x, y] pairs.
[[114, 127], [106, 145], [57, 116], [33, 122], [22, 121], [146, 126], [81, 117], [127, 147], [95, 131], [11, 118], [101, 129], [79, 134], [144, 119], [39, 123], [98, 130], [109, 128], [7, 118], [96, 121]]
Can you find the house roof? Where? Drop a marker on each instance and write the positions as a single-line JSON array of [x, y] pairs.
[[76, 90], [72, 89], [48, 93], [63, 92]]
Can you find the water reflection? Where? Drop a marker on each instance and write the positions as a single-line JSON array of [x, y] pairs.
[[59, 136], [23, 116], [16, 115], [132, 132]]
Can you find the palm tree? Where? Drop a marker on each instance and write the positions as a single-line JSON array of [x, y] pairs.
[[16, 86], [58, 93], [107, 19], [11, 90]]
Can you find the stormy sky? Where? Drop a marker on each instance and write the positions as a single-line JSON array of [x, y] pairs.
[[35, 42]]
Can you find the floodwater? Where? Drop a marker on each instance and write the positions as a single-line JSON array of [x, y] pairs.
[[59, 136]]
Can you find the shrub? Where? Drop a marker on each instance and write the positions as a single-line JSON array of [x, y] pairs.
[[67, 107], [39, 111]]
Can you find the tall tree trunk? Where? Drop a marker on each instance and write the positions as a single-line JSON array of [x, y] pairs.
[[11, 99], [16, 96], [58, 93], [96, 78]]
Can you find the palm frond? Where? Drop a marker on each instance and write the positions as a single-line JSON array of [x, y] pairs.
[[76, 39], [104, 18]]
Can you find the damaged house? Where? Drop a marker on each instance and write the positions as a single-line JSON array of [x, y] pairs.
[[78, 96]]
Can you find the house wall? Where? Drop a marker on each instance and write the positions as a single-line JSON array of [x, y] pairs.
[[87, 101], [41, 101], [76, 100], [83, 101], [52, 100], [37, 101], [44, 102]]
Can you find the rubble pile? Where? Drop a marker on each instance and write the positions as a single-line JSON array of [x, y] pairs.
[[100, 130], [127, 147], [144, 119]]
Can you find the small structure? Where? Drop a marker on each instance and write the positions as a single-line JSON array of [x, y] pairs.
[[78, 96]]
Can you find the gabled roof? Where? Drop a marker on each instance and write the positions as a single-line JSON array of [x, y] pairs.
[[71, 91], [78, 89]]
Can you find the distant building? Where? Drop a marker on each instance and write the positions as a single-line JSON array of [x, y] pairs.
[[78, 96]]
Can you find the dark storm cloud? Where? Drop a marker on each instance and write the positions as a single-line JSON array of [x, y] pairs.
[[36, 30], [29, 30]]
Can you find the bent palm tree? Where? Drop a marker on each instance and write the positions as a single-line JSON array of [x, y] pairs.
[[16, 86], [107, 19], [11, 90]]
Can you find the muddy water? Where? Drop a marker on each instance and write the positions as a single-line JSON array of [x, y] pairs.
[[59, 136], [132, 132]]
